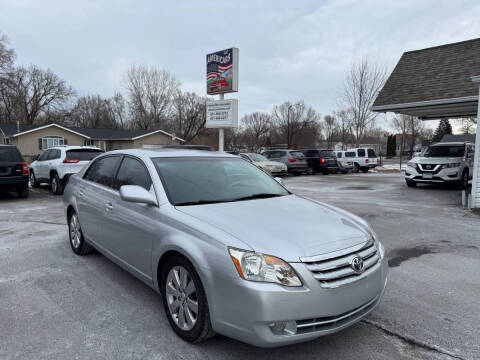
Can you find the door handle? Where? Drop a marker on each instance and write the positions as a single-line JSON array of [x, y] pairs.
[[80, 193], [108, 206]]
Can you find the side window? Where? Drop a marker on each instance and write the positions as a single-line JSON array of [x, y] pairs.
[[44, 156], [132, 172], [361, 152], [339, 154], [103, 170], [54, 154]]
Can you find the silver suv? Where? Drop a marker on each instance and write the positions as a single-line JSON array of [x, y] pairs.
[[449, 162], [295, 160]]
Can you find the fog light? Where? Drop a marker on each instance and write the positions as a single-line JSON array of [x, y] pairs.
[[284, 328]]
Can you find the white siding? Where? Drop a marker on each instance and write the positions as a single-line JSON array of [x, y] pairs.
[[476, 169]]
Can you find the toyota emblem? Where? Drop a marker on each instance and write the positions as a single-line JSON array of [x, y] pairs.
[[357, 264]]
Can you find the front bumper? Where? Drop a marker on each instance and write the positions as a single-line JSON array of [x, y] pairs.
[[245, 310], [441, 176]]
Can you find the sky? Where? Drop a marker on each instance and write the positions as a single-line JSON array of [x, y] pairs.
[[289, 50]]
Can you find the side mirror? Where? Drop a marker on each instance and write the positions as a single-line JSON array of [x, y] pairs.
[[279, 180], [137, 194]]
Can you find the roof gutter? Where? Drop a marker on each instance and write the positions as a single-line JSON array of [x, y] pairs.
[[392, 107]]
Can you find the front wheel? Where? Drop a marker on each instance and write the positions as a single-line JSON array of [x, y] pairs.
[[411, 183], [184, 300], [463, 183], [33, 180], [23, 192]]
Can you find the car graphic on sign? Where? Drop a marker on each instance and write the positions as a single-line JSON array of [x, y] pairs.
[[218, 84]]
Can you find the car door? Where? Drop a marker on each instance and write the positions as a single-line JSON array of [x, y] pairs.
[[95, 196], [53, 157], [40, 167], [134, 224]]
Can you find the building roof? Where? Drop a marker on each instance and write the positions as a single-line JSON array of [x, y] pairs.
[[434, 82], [90, 133], [458, 138]]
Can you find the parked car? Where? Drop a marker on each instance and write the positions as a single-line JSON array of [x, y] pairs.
[[57, 164], [294, 160], [273, 167], [442, 163], [345, 163], [197, 226], [13, 171], [364, 159], [321, 160]]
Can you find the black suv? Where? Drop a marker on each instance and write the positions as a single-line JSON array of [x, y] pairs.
[[321, 160], [13, 171]]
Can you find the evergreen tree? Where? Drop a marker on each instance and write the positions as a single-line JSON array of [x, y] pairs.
[[391, 145], [442, 129]]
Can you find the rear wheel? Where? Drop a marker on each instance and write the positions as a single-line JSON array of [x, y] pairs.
[[23, 191], [184, 300], [411, 183], [77, 241], [310, 170], [344, 171], [356, 168], [364, 169], [57, 185]]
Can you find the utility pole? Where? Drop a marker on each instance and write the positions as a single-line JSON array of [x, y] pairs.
[[221, 133]]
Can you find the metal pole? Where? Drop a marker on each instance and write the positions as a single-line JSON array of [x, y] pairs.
[[221, 134]]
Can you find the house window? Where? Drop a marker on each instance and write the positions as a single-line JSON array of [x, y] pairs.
[[88, 142], [51, 141], [6, 141]]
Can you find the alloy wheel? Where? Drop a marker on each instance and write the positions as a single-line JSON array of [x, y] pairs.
[[32, 179], [54, 185], [75, 232], [181, 295]]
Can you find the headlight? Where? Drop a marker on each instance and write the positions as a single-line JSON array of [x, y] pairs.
[[378, 244], [411, 164], [452, 165], [264, 268]]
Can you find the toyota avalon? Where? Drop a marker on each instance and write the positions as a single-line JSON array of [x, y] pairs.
[[229, 248]]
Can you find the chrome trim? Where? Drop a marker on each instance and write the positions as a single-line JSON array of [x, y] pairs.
[[429, 170], [349, 280], [338, 253]]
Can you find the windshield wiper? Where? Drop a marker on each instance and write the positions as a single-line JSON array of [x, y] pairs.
[[257, 196], [200, 202]]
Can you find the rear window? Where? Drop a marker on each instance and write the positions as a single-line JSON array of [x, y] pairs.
[[371, 153], [310, 153], [10, 154], [82, 154], [349, 154], [327, 153], [297, 154]]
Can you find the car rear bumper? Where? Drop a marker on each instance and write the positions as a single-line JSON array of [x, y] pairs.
[[246, 310], [8, 183]]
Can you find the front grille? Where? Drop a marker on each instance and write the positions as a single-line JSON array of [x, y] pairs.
[[333, 269], [332, 322], [429, 168]]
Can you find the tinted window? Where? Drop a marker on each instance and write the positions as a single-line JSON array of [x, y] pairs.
[[10, 153], [311, 153], [274, 154], [339, 154], [44, 156], [361, 152], [349, 154], [297, 154], [327, 153], [103, 170], [82, 154], [193, 180], [371, 153], [132, 172], [445, 151], [54, 154]]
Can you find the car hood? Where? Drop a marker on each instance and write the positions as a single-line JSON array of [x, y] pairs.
[[288, 227], [436, 160]]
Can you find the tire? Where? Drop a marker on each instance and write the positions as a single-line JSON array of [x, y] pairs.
[[356, 168], [295, 173], [364, 169], [23, 192], [344, 171], [175, 298], [57, 185], [77, 241], [463, 183], [310, 170], [410, 183], [326, 172], [33, 180]]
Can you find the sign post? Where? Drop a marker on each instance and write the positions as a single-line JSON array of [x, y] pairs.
[[222, 77]]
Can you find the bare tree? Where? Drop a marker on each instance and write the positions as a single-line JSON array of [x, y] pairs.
[[7, 55], [189, 115], [362, 85], [296, 123], [415, 129], [344, 119], [468, 125], [401, 124], [93, 111], [150, 95], [31, 93], [118, 108], [330, 129], [256, 128]]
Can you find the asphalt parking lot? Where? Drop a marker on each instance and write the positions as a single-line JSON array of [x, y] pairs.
[[55, 305]]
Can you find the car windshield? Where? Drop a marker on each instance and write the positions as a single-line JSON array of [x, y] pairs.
[[10, 154], [82, 154], [257, 157], [297, 154], [445, 151], [206, 180]]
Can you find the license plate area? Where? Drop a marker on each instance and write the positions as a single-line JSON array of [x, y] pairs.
[[427, 176]]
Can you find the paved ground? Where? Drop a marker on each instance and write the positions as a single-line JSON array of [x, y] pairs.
[[54, 305]]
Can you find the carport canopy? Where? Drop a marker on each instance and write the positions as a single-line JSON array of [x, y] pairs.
[[435, 83]]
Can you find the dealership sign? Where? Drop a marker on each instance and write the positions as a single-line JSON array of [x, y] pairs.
[[222, 114], [222, 71]]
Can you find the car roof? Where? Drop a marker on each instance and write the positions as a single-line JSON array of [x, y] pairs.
[[452, 143], [154, 153], [74, 147]]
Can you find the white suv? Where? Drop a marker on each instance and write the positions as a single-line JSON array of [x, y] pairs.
[[450, 162], [363, 159], [57, 164]]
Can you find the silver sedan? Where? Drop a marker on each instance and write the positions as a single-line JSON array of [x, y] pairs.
[[230, 250]]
